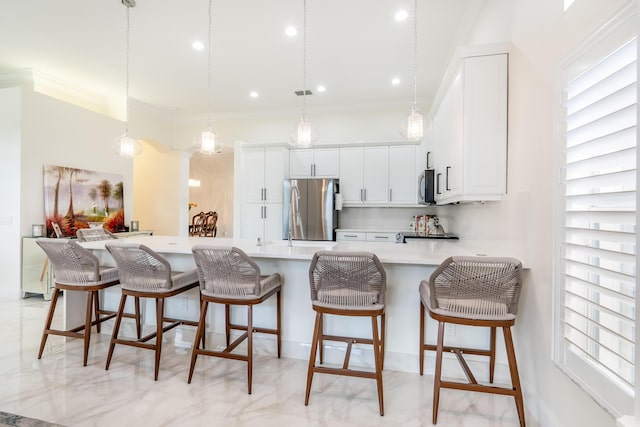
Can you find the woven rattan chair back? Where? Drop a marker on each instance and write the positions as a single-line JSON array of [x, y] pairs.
[[226, 271], [347, 279], [93, 234], [140, 268], [477, 287], [72, 264]]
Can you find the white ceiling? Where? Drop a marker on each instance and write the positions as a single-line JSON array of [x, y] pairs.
[[354, 48]]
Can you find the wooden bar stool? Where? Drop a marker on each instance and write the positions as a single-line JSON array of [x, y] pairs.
[[145, 274], [228, 276], [76, 269], [473, 291], [347, 284]]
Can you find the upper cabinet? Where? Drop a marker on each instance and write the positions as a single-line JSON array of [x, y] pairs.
[[403, 175], [314, 163], [364, 175], [470, 130], [265, 169]]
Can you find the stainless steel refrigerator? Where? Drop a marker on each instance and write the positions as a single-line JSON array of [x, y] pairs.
[[309, 209]]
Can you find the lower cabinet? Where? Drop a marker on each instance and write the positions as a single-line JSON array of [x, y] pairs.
[[262, 220], [37, 276], [366, 236]]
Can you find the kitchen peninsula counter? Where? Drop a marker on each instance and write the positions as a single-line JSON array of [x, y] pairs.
[[405, 265]]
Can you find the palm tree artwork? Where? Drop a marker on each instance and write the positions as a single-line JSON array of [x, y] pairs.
[[94, 199]]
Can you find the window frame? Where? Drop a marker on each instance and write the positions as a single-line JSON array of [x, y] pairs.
[[615, 398]]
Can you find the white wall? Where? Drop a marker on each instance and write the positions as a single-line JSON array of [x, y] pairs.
[[10, 249], [215, 173], [161, 193]]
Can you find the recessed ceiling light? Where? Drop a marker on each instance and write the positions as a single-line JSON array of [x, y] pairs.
[[197, 45], [321, 88], [395, 81], [291, 31], [401, 15], [253, 94]]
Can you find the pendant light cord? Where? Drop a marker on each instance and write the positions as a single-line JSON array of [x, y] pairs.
[[210, 92], [304, 60], [415, 54], [126, 122]]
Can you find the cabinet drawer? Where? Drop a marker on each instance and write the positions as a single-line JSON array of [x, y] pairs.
[[350, 235], [381, 237]]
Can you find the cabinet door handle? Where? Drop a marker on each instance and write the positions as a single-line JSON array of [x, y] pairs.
[[361, 199], [438, 175], [351, 235], [390, 195], [365, 194], [265, 193], [446, 181], [428, 158], [381, 237], [313, 169]]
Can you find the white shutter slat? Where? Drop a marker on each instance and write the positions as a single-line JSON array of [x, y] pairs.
[[602, 163], [606, 103], [605, 183], [603, 125], [617, 141]]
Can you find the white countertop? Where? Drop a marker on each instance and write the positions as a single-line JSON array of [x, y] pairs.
[[415, 252]]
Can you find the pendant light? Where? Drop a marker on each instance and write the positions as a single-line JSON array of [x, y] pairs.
[[208, 142], [304, 135], [124, 145], [415, 122]]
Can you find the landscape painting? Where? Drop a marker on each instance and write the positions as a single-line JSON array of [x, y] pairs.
[[79, 198]]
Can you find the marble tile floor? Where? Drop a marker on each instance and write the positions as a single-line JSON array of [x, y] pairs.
[[58, 389]]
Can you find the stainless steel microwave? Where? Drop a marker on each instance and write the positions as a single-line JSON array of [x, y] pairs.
[[425, 187]]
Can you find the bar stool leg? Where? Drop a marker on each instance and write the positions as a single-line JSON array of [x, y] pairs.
[[421, 352], [199, 338], [513, 369], [159, 325], [116, 329], [278, 322], [312, 356], [492, 356], [438, 373], [377, 352], [47, 325], [96, 308], [249, 345], [87, 326], [136, 309]]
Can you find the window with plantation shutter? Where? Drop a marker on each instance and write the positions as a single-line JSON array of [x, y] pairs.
[[596, 241]]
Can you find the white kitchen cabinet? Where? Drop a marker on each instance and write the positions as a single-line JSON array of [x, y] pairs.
[[265, 169], [402, 175], [263, 221], [364, 175], [470, 132], [314, 163], [359, 236]]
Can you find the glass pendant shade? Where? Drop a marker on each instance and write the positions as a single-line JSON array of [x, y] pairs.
[[415, 125], [125, 146], [303, 135], [209, 143]]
